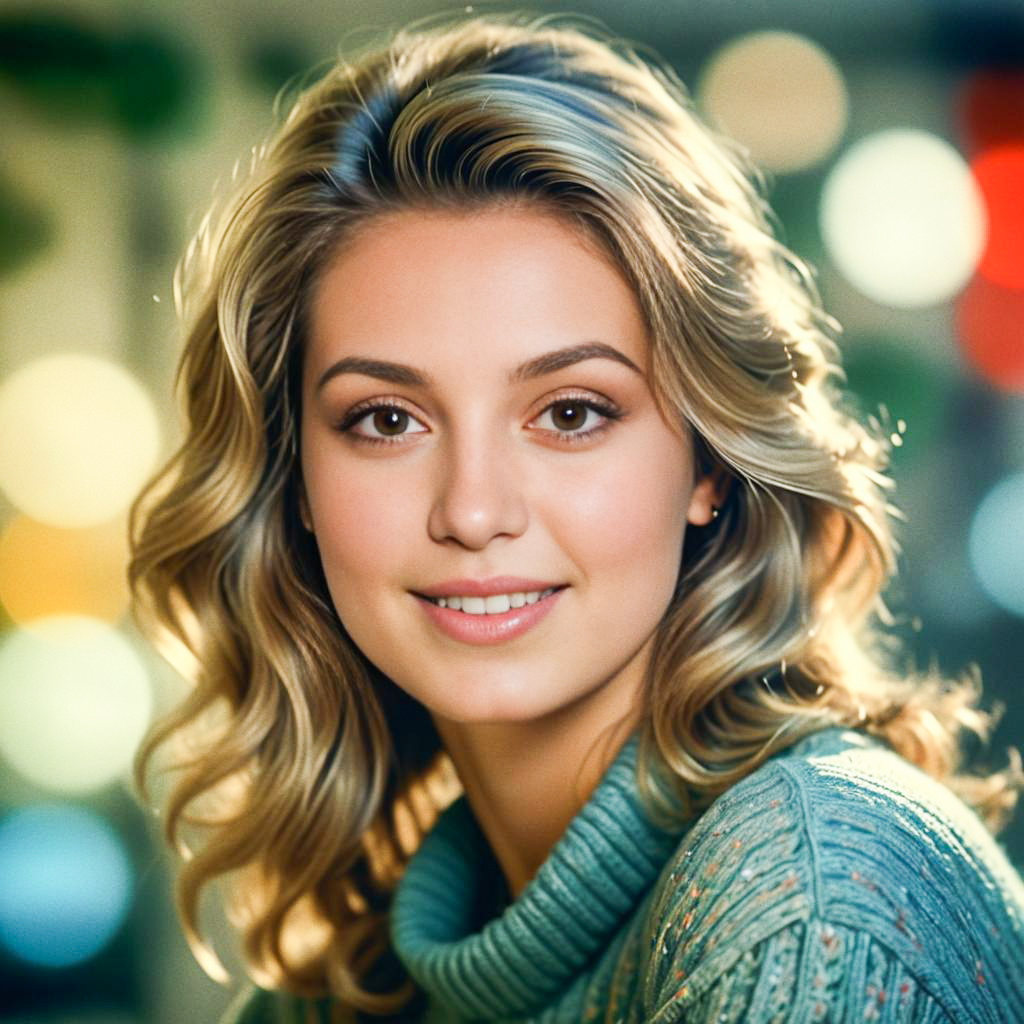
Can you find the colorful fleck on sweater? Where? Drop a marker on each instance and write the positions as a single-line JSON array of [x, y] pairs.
[[834, 883]]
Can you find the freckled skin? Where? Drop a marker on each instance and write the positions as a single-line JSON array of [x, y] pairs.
[[480, 481]]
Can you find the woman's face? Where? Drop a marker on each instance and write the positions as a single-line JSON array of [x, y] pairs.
[[498, 504]]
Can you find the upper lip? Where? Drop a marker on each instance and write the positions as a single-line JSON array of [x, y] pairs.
[[485, 588]]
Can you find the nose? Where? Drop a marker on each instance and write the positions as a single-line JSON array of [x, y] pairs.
[[479, 494]]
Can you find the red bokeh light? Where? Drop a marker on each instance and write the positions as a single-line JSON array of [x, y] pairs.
[[990, 323], [1000, 176], [992, 110]]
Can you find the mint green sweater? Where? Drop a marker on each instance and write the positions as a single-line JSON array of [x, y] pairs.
[[835, 883]]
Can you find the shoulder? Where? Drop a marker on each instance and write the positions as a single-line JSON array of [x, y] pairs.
[[832, 867]]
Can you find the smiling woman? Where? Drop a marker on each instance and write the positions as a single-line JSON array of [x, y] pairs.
[[448, 477], [528, 570]]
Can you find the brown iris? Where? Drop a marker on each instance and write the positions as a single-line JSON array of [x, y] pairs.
[[568, 415], [390, 422]]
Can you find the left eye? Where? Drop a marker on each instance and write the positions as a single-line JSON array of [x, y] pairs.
[[570, 415], [386, 421]]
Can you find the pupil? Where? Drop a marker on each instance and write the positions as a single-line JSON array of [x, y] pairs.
[[390, 421], [568, 416]]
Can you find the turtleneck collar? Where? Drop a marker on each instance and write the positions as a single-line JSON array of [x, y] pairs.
[[525, 958]]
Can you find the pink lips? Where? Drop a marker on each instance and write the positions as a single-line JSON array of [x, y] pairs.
[[487, 629]]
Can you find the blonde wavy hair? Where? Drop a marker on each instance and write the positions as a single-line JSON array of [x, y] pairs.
[[302, 775]]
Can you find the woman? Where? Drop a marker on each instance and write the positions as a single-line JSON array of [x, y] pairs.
[[515, 465]]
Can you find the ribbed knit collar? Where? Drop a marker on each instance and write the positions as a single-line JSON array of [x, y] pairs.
[[580, 897]]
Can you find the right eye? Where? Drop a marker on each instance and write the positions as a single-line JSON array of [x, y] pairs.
[[382, 423]]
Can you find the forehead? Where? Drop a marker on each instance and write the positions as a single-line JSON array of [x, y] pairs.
[[500, 284]]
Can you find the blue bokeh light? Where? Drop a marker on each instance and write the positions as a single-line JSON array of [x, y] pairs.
[[66, 887], [996, 543]]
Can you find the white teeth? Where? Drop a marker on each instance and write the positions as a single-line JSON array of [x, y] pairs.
[[496, 604]]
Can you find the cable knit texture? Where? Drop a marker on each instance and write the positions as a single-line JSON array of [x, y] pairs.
[[835, 883]]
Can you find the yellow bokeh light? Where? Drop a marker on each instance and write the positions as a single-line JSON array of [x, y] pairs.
[[78, 436], [903, 219], [75, 699], [47, 570], [780, 95]]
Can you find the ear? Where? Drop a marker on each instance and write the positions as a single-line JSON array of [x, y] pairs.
[[709, 494]]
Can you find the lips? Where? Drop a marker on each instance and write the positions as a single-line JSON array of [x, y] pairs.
[[479, 625]]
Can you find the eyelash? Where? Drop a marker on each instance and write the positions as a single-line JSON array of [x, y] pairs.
[[604, 408], [610, 414], [361, 412]]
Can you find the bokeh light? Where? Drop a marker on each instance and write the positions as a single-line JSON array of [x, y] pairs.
[[903, 219], [1000, 176], [75, 700], [46, 570], [992, 108], [996, 544], [78, 436], [990, 323], [779, 94], [67, 884]]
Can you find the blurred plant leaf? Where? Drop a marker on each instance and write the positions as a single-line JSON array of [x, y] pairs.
[[58, 66], [153, 84], [26, 228], [144, 83], [276, 64]]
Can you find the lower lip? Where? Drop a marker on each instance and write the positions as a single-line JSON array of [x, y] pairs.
[[488, 629]]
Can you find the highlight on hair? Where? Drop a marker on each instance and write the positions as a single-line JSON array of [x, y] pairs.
[[307, 778]]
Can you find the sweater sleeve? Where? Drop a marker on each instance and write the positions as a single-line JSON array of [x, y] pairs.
[[816, 891], [808, 972]]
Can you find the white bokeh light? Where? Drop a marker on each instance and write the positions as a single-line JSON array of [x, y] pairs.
[[780, 95], [903, 219], [78, 437], [996, 544], [75, 699]]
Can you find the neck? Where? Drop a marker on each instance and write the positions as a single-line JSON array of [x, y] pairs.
[[525, 781]]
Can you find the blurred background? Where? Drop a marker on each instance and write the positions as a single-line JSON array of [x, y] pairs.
[[893, 139]]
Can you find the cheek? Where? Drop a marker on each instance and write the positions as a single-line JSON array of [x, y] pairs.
[[629, 516], [361, 521]]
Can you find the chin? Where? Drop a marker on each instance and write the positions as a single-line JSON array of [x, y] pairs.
[[473, 704]]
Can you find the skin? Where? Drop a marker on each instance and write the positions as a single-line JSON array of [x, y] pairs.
[[480, 475]]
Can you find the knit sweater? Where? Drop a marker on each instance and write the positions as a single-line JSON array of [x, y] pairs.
[[834, 883]]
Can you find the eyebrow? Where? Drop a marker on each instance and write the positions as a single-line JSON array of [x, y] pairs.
[[563, 357], [550, 362], [393, 373]]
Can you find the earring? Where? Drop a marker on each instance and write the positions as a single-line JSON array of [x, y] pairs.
[[714, 511]]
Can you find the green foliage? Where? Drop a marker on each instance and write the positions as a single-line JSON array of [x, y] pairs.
[[26, 229], [141, 82]]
